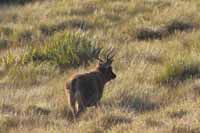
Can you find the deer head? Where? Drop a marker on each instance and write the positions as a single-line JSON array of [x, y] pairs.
[[105, 65]]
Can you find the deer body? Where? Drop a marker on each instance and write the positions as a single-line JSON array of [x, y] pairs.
[[87, 89]]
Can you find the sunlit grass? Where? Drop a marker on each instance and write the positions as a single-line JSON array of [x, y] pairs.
[[44, 42]]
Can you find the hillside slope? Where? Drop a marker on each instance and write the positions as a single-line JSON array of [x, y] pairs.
[[157, 63]]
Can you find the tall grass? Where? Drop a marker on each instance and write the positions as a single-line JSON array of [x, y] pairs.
[[156, 44], [180, 70], [64, 50]]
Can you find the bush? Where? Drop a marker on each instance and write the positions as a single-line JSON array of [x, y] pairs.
[[25, 36], [64, 50]]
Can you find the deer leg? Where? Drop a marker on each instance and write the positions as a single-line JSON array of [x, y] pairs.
[[81, 106], [72, 102], [81, 109]]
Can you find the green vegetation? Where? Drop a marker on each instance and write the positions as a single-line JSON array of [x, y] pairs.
[[180, 71], [63, 50], [157, 62]]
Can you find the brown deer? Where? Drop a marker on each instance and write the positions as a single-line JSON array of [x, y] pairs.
[[87, 89]]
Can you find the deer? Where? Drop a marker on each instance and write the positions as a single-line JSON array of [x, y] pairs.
[[86, 89]]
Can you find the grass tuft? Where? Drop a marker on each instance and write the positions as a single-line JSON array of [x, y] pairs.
[[31, 74], [110, 120], [64, 50], [69, 24], [177, 25], [153, 123], [33, 109], [165, 31], [7, 122], [3, 44], [184, 129], [25, 36], [180, 71], [148, 34], [5, 31], [178, 114], [7, 108], [138, 103]]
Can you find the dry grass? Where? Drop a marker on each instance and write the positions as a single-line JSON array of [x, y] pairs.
[[157, 47]]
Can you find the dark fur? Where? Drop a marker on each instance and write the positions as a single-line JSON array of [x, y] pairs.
[[87, 89]]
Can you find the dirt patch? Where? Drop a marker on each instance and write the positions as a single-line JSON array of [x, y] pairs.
[[165, 31]]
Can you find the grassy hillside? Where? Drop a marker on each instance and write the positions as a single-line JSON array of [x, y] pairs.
[[157, 42]]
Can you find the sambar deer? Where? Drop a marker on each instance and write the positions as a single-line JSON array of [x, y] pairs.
[[86, 89]]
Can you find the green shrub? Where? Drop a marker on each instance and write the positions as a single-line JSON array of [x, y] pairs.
[[63, 50]]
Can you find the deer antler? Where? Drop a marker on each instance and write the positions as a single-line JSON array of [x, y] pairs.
[[110, 55], [97, 53], [99, 59]]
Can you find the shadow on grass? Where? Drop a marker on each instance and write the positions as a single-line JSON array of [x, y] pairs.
[[38, 110], [49, 30], [138, 104], [165, 31], [66, 113], [110, 121], [8, 122], [153, 123], [179, 72], [177, 114], [8, 109], [16, 2], [3, 44], [185, 130]]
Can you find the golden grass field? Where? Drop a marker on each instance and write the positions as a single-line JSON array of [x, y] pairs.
[[157, 62]]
